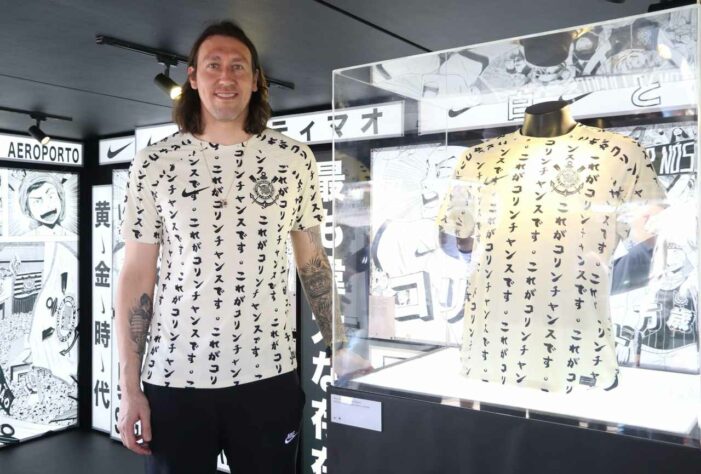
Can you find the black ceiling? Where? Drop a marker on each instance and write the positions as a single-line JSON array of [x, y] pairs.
[[49, 60]]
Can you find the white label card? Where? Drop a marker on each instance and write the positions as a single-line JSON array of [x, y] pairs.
[[356, 412]]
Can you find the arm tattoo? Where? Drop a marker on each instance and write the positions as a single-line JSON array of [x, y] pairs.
[[317, 280], [140, 316], [314, 237]]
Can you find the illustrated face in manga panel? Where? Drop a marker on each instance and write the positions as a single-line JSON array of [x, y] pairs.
[[44, 203]]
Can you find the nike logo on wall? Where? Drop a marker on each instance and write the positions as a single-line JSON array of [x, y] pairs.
[[111, 154], [574, 99], [454, 113], [193, 193], [290, 437]]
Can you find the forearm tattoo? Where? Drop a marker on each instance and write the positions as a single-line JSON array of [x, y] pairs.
[[314, 237], [318, 284], [139, 323]]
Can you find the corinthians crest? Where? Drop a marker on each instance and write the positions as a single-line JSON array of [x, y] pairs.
[[264, 192], [568, 180]]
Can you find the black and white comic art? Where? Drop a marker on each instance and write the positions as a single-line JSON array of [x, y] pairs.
[[655, 294], [417, 289], [42, 205], [621, 67], [38, 303]]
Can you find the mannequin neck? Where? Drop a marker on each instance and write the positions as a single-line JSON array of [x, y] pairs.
[[548, 119]]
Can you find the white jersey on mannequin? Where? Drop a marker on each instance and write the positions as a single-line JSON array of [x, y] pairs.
[[544, 216]]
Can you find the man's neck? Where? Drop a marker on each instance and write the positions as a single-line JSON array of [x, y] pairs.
[[224, 133]]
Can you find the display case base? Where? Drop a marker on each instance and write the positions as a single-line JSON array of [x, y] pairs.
[[427, 436], [674, 396]]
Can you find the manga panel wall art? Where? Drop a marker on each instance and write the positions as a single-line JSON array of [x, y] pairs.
[[655, 293], [619, 67], [417, 289], [38, 303]]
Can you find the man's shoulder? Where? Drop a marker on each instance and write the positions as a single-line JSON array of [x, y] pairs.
[[171, 146], [174, 141], [276, 142]]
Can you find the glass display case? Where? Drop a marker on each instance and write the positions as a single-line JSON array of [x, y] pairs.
[[530, 244]]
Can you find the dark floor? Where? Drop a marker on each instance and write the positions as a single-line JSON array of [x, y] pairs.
[[70, 452]]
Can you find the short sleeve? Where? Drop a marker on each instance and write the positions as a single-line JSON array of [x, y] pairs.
[[644, 196], [141, 221], [643, 185], [456, 214], [310, 211]]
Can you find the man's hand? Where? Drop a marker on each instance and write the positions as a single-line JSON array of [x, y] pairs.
[[347, 363], [135, 408], [133, 315]]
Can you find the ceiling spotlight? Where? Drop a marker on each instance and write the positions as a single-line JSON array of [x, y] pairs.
[[39, 135], [169, 59], [37, 132], [168, 85], [164, 81]]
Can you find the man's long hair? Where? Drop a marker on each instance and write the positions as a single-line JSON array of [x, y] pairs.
[[188, 110]]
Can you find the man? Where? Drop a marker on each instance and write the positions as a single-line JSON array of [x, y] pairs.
[[42, 199], [216, 202]]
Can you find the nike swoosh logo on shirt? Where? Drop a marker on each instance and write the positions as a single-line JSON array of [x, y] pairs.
[[192, 193], [111, 154]]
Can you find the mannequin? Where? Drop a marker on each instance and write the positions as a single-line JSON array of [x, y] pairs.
[[540, 209], [548, 119]]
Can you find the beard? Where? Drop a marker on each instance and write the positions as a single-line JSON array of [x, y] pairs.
[[228, 112]]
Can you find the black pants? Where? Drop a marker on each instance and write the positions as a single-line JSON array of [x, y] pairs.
[[256, 425]]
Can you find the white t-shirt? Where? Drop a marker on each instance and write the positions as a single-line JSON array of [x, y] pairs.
[[545, 216], [221, 310]]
